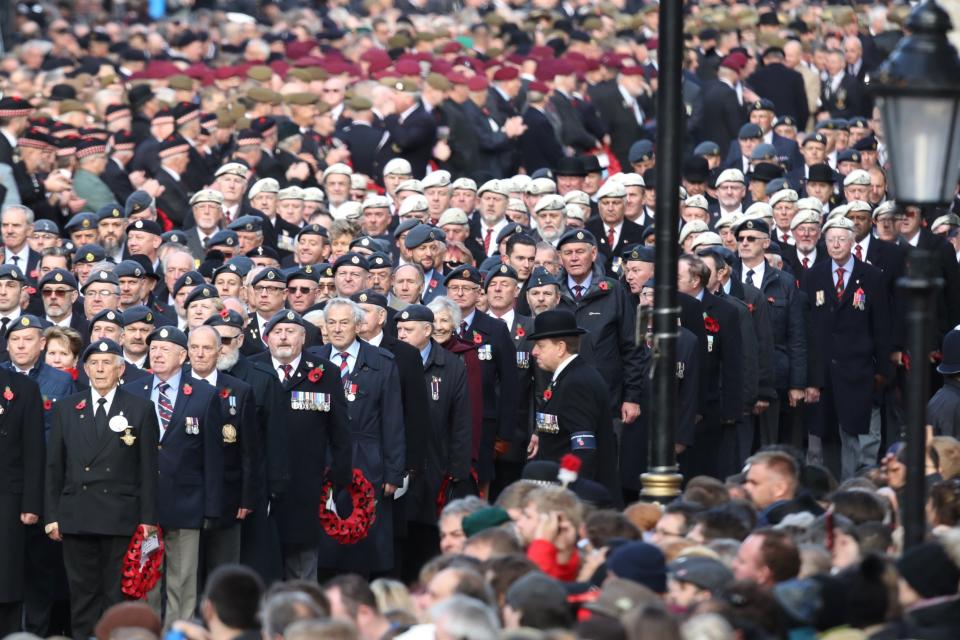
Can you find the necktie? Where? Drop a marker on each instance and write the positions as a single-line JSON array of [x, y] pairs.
[[165, 406], [578, 291], [786, 237], [486, 240], [14, 260], [463, 328], [858, 251], [287, 370], [840, 272], [3, 325], [611, 236], [343, 363], [100, 417], [806, 263], [750, 279]]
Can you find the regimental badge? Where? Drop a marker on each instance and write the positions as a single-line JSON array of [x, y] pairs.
[[435, 388], [229, 434], [128, 437], [710, 344], [821, 298]]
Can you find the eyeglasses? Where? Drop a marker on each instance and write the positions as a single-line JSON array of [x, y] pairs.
[[748, 239], [99, 294], [327, 286], [459, 289], [265, 289], [228, 340], [301, 290], [58, 293]]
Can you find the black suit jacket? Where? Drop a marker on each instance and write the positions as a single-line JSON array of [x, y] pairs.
[[539, 144], [726, 114], [948, 300], [630, 233], [463, 145], [412, 139], [619, 119], [785, 88], [573, 133], [101, 485], [413, 394], [724, 361], [362, 140], [174, 201], [115, 177], [847, 101]]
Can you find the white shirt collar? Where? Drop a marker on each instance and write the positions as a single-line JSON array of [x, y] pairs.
[[563, 365], [376, 340], [212, 378], [295, 363], [758, 272], [108, 397], [176, 176], [22, 257], [507, 317]]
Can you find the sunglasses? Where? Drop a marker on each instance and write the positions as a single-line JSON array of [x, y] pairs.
[[301, 290], [228, 340], [748, 239]]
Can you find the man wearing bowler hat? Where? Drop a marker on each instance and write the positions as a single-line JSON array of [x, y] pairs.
[[943, 409], [572, 415]]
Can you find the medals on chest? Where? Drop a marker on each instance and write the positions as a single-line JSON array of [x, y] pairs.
[[547, 423], [309, 401], [435, 388], [523, 359], [485, 352], [128, 438]]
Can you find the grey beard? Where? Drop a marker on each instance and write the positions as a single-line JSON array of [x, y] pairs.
[[226, 362]]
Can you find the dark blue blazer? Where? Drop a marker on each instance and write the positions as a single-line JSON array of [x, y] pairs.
[[191, 464], [54, 385]]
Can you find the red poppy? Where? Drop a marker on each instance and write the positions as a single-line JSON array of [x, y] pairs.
[[32, 291], [603, 285], [47, 404], [187, 389], [33, 274], [73, 373], [521, 332], [477, 338], [750, 307], [224, 313], [547, 394], [81, 405], [224, 393], [8, 394], [711, 325], [433, 284], [315, 374]]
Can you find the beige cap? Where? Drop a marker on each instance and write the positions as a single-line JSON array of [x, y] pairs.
[[858, 177], [207, 195], [338, 168], [611, 189], [453, 215], [550, 202], [375, 201], [264, 185], [439, 178], [784, 195], [410, 185], [398, 166], [698, 201], [805, 216], [694, 226], [290, 193], [412, 204]]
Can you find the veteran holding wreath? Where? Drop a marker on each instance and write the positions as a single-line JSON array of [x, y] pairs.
[[101, 482]]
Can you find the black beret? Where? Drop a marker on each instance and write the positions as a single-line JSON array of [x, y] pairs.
[[510, 230], [129, 269], [540, 277], [464, 272], [246, 223], [263, 252], [100, 275], [58, 276], [226, 318], [325, 269], [102, 346], [270, 274], [379, 260], [351, 259], [189, 279], [147, 226], [415, 313], [88, 254], [366, 242], [577, 235], [306, 272], [369, 296], [223, 237], [201, 292], [230, 267], [751, 225], [503, 271], [108, 315], [168, 334], [287, 316], [138, 313], [313, 230]]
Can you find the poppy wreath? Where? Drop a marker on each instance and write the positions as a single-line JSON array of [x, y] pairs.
[[355, 528], [140, 577]]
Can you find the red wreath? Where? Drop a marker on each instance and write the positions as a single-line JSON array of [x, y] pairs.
[[137, 581], [711, 325], [356, 527]]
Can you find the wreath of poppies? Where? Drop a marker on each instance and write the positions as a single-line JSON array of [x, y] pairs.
[[136, 581], [355, 528]]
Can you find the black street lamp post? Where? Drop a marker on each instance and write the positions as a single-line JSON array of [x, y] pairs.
[[918, 93]]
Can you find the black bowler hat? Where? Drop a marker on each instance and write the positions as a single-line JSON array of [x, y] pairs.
[[950, 364], [570, 167], [557, 323], [821, 173]]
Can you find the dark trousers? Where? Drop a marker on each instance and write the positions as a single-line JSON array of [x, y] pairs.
[[422, 544], [94, 566], [46, 601], [10, 615]]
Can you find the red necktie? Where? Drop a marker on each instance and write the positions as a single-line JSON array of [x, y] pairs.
[[786, 236], [611, 236], [287, 368], [806, 263], [858, 251], [840, 272], [486, 240], [343, 363]]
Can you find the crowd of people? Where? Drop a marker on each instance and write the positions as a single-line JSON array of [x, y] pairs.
[[336, 323]]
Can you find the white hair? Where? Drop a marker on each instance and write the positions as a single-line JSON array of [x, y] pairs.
[[465, 618], [443, 303], [356, 310], [27, 211]]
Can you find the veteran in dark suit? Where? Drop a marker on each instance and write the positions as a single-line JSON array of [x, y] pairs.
[[851, 327], [410, 133], [540, 146], [191, 464], [371, 384], [318, 433], [448, 437], [573, 412], [242, 480], [102, 461]]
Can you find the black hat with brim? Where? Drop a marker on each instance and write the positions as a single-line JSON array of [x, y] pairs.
[[556, 323]]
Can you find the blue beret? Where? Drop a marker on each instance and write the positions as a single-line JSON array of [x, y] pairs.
[[175, 236], [405, 226], [306, 272], [46, 226], [201, 292], [138, 313], [129, 269], [510, 230], [147, 226], [313, 230], [379, 260], [421, 234], [229, 267], [108, 315], [27, 321], [100, 275], [464, 272], [189, 279], [112, 210], [168, 334], [270, 274], [226, 318], [137, 202], [369, 296], [102, 346], [89, 253], [351, 259], [263, 252], [503, 271], [246, 223], [640, 151], [750, 130], [639, 253], [223, 237], [707, 148], [81, 222], [11, 272], [540, 277]]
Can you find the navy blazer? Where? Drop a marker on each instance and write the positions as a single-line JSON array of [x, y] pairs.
[[191, 464], [54, 385]]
